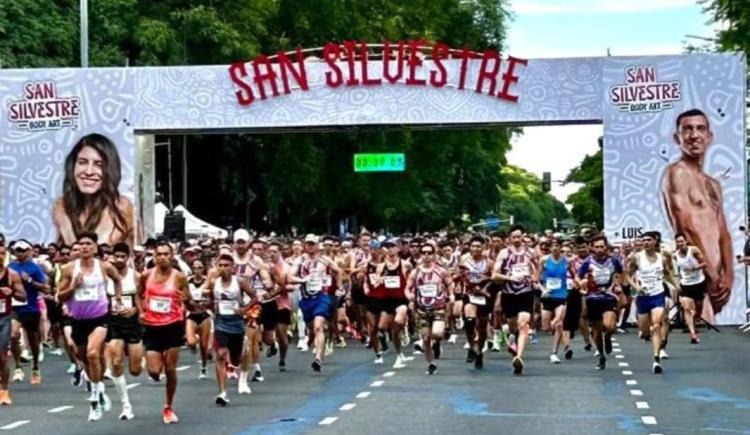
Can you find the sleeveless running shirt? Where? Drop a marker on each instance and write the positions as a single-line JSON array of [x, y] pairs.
[[600, 274], [6, 302], [129, 289], [377, 287], [319, 274], [430, 289], [650, 275], [692, 277], [394, 281], [226, 301], [162, 305], [517, 264], [90, 299], [554, 278]]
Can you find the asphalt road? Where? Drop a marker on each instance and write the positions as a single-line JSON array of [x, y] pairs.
[[705, 389]]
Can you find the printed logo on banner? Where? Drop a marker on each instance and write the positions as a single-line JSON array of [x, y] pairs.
[[42, 109], [642, 92]]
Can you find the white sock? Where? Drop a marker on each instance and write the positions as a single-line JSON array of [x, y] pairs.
[[94, 392], [243, 377], [101, 387], [301, 332], [256, 367], [121, 386]]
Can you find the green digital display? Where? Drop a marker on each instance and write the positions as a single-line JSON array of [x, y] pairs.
[[379, 162]]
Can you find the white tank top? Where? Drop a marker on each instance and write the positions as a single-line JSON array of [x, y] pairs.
[[129, 288], [650, 275], [227, 299], [94, 286], [691, 277]]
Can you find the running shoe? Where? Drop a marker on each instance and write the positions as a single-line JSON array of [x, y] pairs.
[[316, 365], [18, 375], [222, 399], [127, 412], [517, 365], [431, 368], [554, 359], [656, 368], [169, 416], [36, 377]]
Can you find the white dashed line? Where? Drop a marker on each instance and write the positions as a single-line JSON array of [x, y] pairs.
[[617, 350], [15, 424], [636, 393], [60, 409], [182, 368], [642, 405], [648, 419], [388, 374], [328, 420], [631, 382], [619, 356], [624, 364], [363, 395], [627, 373], [131, 386], [377, 384], [348, 407]]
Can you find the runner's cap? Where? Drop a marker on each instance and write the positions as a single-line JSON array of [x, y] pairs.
[[21, 245], [241, 235], [311, 238]]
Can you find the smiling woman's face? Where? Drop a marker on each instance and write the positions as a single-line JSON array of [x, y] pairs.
[[88, 171]]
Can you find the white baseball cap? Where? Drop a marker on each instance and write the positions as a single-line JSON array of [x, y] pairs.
[[312, 238], [241, 234]]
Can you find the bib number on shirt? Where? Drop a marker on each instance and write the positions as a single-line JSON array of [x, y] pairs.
[[327, 281], [127, 302], [196, 293], [3, 306], [373, 277], [602, 276], [428, 290], [553, 284], [519, 271], [17, 303], [314, 285], [392, 282], [87, 294], [159, 305], [227, 308], [477, 300], [475, 278]]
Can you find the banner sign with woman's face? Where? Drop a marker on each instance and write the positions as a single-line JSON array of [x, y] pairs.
[[674, 162], [70, 160]]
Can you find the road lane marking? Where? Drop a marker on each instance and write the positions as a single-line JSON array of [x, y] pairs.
[[631, 382], [377, 384], [131, 386], [181, 368], [59, 409], [624, 364], [363, 395], [15, 424], [328, 420], [642, 405], [617, 350], [636, 393], [627, 373], [648, 419], [619, 356], [348, 406], [388, 374]]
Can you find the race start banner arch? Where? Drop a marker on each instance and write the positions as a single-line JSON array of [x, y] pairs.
[[75, 153]]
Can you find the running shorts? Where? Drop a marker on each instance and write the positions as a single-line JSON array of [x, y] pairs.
[[163, 338], [198, 318], [269, 315], [551, 304], [318, 306], [425, 319], [695, 292], [126, 329], [5, 333], [596, 306], [82, 328], [29, 321], [514, 303], [645, 303], [232, 342], [284, 316], [573, 310]]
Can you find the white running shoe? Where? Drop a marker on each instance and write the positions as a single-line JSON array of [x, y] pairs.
[[105, 403], [399, 364], [18, 375], [656, 368], [405, 339], [406, 358], [127, 412], [663, 354], [554, 359], [203, 374], [243, 388], [466, 346], [95, 412], [378, 360], [329, 348], [452, 339], [596, 354], [222, 399], [71, 369], [302, 345]]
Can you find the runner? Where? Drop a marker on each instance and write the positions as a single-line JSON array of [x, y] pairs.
[[358, 259], [162, 291], [600, 274], [627, 293], [554, 294], [227, 293], [575, 307], [84, 288], [378, 318], [647, 271], [690, 265], [198, 322], [315, 274], [449, 260], [518, 268], [11, 288], [279, 270], [27, 315], [429, 287], [395, 273], [476, 271], [125, 334]]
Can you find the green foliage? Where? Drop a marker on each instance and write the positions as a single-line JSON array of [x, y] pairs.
[[588, 202], [522, 196], [736, 37]]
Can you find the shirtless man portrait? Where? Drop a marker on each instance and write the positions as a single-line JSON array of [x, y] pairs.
[[694, 205]]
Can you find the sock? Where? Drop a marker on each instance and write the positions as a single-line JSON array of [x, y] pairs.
[[121, 386], [94, 392], [243, 377], [256, 367]]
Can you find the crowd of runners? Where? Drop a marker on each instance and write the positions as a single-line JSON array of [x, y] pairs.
[[114, 309]]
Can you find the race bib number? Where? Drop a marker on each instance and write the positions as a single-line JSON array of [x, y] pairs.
[[428, 290], [392, 282], [314, 285], [159, 305], [477, 300], [553, 284], [196, 293], [602, 276], [570, 283], [87, 294], [227, 308], [475, 278], [519, 271], [650, 283], [373, 277], [127, 302], [3, 306], [327, 281], [17, 303]]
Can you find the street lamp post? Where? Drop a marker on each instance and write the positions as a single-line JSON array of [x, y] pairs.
[[84, 33]]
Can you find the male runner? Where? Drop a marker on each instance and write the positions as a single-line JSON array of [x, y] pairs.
[[647, 271], [27, 315], [518, 268], [279, 271], [125, 331], [11, 289], [377, 316], [554, 282], [600, 275], [162, 291], [394, 274], [84, 288], [227, 293], [429, 287], [476, 271], [575, 308], [358, 259], [690, 265]]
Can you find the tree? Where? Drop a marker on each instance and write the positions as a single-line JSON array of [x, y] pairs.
[[521, 195], [736, 16], [588, 202]]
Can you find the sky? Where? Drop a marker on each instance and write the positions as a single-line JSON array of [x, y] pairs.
[[575, 28]]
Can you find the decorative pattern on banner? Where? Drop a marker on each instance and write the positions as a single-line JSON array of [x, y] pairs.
[[669, 179]]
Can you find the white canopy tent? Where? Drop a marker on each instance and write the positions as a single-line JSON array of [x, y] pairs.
[[194, 226]]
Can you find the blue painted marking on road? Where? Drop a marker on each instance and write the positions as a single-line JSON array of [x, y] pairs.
[[712, 396], [320, 404], [463, 404]]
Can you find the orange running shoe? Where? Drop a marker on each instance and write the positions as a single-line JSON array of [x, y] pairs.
[[169, 416], [36, 377], [5, 398]]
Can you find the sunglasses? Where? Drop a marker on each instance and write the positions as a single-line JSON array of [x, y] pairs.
[[428, 252]]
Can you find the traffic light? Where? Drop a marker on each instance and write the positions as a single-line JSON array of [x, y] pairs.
[[546, 181]]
